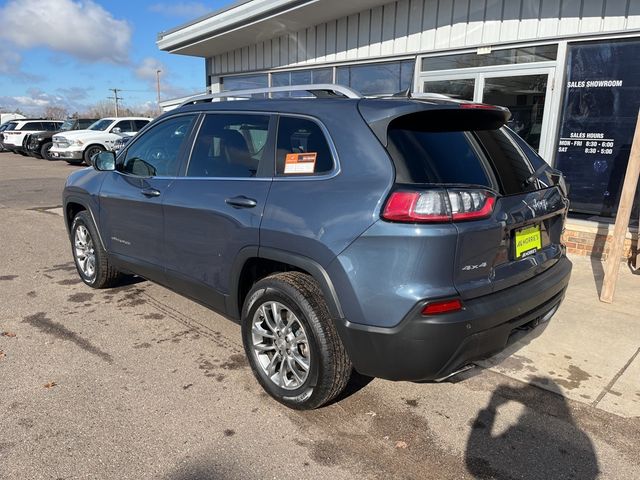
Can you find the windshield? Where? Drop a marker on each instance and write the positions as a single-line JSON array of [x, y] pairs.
[[101, 124], [67, 125]]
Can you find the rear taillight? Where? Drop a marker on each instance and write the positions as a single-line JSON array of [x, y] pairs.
[[479, 106], [442, 306], [432, 206]]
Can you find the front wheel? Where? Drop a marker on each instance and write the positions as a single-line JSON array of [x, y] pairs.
[[90, 258], [291, 341], [90, 152], [44, 151]]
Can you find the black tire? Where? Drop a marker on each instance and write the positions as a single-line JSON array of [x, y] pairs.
[[104, 275], [90, 151], [44, 151], [329, 364]]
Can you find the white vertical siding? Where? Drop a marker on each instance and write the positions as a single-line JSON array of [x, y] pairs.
[[417, 26], [375, 32]]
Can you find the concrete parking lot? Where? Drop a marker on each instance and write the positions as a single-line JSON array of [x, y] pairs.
[[138, 382]]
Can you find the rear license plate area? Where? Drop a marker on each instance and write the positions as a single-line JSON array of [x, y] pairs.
[[527, 241]]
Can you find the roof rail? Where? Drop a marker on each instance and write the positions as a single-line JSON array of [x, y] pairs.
[[320, 90]]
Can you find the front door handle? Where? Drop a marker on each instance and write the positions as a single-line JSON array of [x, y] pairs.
[[150, 192], [241, 202]]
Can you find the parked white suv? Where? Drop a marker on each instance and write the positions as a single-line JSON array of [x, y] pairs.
[[13, 136], [80, 145]]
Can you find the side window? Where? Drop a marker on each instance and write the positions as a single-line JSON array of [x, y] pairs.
[[229, 145], [302, 148], [124, 126], [139, 124], [31, 126], [156, 153]]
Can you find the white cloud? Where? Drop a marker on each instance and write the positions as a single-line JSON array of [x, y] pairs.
[[35, 101], [146, 71], [148, 68], [181, 9], [80, 28], [9, 60]]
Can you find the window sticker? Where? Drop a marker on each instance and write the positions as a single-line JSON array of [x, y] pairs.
[[300, 162]]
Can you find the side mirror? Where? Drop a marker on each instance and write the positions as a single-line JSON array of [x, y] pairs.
[[104, 161], [116, 130]]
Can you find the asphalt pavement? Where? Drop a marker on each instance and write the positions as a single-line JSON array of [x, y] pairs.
[[137, 382]]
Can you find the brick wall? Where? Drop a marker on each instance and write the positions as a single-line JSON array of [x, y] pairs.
[[594, 239]]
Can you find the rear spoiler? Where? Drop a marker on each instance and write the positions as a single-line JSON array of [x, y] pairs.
[[432, 117]]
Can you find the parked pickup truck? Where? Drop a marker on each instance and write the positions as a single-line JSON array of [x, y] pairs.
[[79, 146], [38, 144]]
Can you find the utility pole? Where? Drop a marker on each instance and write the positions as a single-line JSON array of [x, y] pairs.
[[158, 86], [115, 97]]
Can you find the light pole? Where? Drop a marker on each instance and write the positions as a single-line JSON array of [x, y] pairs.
[[158, 86]]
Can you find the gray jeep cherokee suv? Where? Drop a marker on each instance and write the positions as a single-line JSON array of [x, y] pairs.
[[401, 237]]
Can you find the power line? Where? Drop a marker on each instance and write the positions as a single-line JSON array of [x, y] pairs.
[[116, 98]]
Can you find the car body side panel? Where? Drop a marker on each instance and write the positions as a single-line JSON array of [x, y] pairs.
[[318, 217], [392, 266], [81, 188], [132, 223], [203, 233]]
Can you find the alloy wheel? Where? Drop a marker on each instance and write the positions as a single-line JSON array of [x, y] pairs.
[[280, 345], [84, 251]]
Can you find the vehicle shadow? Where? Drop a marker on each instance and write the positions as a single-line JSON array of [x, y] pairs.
[[544, 442], [356, 383]]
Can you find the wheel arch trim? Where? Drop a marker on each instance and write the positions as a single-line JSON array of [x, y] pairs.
[[304, 263], [69, 221]]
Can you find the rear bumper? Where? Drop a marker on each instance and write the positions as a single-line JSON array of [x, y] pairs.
[[428, 348]]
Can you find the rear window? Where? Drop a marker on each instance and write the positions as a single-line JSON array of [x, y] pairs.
[[435, 157], [511, 166], [459, 150]]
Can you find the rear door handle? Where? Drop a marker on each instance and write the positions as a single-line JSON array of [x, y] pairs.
[[150, 192], [241, 202]]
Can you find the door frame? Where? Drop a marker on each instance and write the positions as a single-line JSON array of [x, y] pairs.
[[546, 147], [479, 74]]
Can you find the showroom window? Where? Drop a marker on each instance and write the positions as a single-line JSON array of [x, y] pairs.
[[300, 77], [245, 82], [377, 78], [509, 56]]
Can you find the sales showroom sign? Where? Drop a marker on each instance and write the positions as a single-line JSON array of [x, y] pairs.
[[601, 101]]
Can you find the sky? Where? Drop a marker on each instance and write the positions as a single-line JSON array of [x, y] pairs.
[[69, 53]]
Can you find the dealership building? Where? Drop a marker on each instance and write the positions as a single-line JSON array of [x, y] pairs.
[[569, 71]]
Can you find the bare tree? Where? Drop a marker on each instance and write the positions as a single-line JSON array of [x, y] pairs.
[[101, 109], [104, 108], [55, 113]]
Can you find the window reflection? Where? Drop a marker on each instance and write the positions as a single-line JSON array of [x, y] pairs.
[[377, 78]]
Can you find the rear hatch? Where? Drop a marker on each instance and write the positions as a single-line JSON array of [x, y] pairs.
[[460, 164]]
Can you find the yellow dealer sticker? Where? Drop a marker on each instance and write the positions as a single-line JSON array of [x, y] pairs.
[[528, 241]]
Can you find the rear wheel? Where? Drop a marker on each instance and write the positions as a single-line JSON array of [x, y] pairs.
[[44, 151], [90, 152], [90, 258], [291, 341]]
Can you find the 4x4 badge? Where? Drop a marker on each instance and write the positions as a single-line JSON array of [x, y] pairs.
[[474, 267]]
